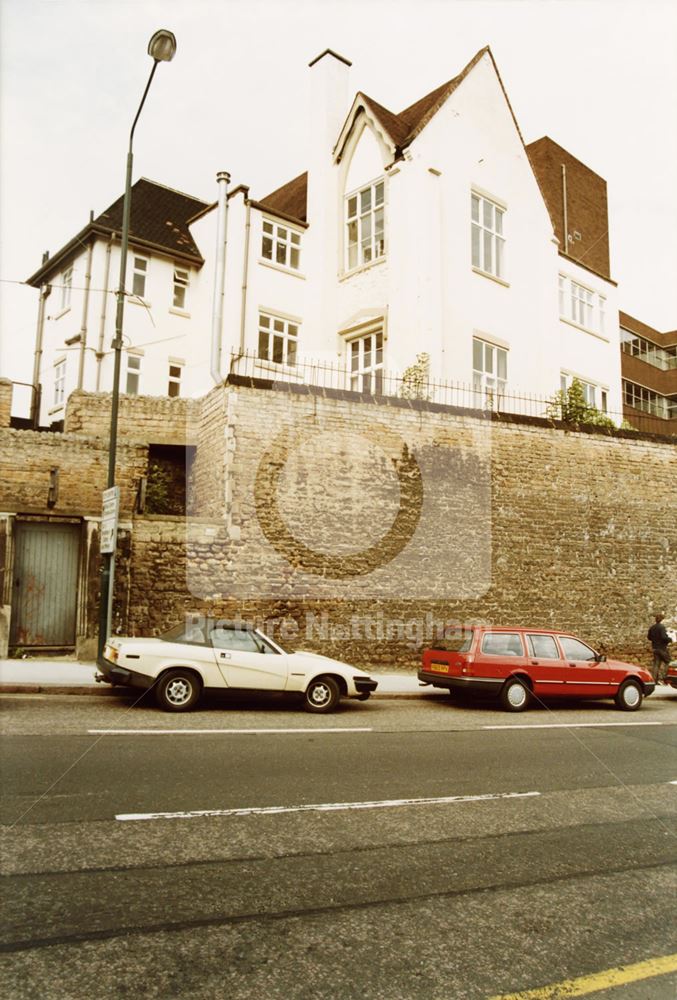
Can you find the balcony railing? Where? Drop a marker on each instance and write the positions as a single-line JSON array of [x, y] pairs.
[[380, 383]]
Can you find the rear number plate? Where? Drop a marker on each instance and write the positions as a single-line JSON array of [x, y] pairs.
[[438, 667]]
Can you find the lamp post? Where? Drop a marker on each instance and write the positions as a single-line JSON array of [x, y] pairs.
[[161, 48]]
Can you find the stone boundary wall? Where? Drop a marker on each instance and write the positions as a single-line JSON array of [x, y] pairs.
[[579, 532], [5, 402], [27, 458], [141, 419]]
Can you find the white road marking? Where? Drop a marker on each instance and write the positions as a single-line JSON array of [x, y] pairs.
[[324, 807], [578, 725], [212, 732]]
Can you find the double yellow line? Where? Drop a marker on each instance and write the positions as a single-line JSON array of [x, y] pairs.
[[597, 981]]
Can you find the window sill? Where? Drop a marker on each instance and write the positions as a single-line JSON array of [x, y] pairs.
[[492, 277], [61, 312], [584, 329], [344, 275], [281, 267], [179, 312]]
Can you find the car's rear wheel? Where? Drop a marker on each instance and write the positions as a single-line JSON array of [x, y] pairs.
[[515, 695], [178, 690], [629, 697], [322, 695]]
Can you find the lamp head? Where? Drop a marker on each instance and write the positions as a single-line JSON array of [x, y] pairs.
[[162, 46]]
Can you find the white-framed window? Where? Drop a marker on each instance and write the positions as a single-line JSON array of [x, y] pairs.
[[66, 287], [581, 305], [139, 275], [278, 339], [133, 374], [181, 282], [641, 398], [174, 381], [489, 371], [365, 356], [59, 382], [365, 225], [281, 244], [589, 388], [487, 235]]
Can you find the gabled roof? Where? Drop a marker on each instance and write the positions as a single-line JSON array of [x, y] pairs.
[[402, 128], [159, 221], [289, 201]]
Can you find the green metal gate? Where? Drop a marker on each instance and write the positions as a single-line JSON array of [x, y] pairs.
[[45, 584]]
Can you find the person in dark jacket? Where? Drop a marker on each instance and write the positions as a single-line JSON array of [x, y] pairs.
[[660, 640]]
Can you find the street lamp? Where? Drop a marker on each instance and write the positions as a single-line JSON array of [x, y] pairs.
[[161, 48]]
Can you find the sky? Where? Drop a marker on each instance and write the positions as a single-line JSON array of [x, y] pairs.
[[597, 76]]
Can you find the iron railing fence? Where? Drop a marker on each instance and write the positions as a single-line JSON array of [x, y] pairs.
[[484, 398]]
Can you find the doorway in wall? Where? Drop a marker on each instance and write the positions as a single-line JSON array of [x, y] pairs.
[[45, 584]]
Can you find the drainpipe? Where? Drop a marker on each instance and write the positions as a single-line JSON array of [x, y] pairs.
[[104, 308], [245, 275], [37, 357], [85, 309], [222, 179], [102, 320], [564, 209]]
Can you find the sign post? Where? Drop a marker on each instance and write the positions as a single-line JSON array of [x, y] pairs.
[[110, 511]]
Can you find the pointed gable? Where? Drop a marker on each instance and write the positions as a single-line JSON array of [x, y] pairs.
[[403, 128]]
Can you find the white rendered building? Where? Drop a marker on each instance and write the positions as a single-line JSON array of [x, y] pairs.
[[433, 237]]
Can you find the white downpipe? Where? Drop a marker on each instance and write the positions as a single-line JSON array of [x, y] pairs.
[[104, 309], [245, 276], [564, 209], [222, 179]]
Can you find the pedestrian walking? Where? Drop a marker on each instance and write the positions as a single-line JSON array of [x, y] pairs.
[[660, 640]]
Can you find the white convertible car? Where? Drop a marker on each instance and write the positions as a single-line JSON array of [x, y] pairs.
[[217, 655]]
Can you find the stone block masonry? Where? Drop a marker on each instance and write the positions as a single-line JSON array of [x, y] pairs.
[[27, 459], [5, 402], [362, 527], [141, 419]]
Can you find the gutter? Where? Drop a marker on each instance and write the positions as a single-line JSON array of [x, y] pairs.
[[222, 179]]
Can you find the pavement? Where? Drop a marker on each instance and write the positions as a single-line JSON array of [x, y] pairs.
[[63, 675]]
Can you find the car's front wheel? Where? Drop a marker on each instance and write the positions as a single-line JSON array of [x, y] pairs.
[[178, 690], [515, 695], [629, 697], [322, 695]]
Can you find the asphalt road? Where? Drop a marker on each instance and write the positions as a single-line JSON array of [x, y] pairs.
[[416, 852]]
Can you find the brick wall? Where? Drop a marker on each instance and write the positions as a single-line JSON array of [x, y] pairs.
[[587, 210], [144, 419], [5, 402], [517, 523]]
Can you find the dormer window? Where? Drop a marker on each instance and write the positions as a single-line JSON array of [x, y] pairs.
[[281, 245], [365, 225]]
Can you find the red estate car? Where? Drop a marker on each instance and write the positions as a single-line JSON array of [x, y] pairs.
[[519, 664]]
